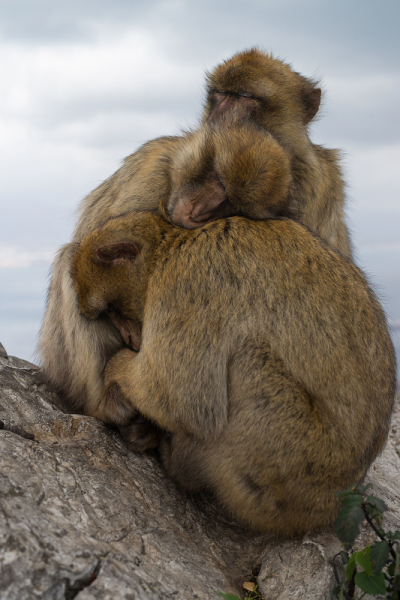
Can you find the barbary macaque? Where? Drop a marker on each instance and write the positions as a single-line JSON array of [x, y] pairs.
[[264, 354], [231, 168], [252, 87]]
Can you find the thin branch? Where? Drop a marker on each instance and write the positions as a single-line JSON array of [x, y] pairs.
[[338, 579], [378, 533]]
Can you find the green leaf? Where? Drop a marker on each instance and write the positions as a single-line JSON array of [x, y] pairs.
[[371, 584], [350, 567], [379, 556], [345, 557], [228, 596], [347, 525], [364, 560], [393, 536], [338, 592], [353, 489], [377, 502], [353, 500]]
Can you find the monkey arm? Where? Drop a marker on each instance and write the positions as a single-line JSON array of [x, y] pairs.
[[174, 395], [74, 349], [138, 185]]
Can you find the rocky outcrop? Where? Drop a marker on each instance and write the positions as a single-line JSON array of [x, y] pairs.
[[82, 517]]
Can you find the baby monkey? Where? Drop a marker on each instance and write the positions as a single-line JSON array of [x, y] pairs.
[[231, 167], [261, 351]]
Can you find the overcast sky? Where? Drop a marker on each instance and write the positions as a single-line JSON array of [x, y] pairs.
[[85, 82]]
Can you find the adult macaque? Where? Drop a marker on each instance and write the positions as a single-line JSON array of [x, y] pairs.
[[252, 86], [264, 354], [283, 103]]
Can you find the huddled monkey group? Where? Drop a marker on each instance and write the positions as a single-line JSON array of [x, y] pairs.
[[209, 307]]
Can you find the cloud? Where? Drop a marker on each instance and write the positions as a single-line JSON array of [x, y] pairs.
[[364, 108], [375, 175], [48, 84], [12, 256], [385, 246], [70, 113]]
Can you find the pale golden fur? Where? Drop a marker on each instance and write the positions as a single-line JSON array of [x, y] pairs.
[[264, 354], [73, 354]]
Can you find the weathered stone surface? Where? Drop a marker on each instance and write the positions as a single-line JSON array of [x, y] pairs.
[[82, 517]]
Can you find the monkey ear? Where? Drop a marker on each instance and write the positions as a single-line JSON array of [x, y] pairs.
[[311, 100], [118, 252]]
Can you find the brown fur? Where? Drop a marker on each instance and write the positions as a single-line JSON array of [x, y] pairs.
[[283, 103], [232, 167], [264, 353], [252, 86]]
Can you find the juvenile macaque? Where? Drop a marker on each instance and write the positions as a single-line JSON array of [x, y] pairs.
[[267, 96], [264, 354], [231, 168]]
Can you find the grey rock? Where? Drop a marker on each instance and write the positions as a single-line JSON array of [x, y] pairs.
[[21, 363], [82, 517], [14, 360]]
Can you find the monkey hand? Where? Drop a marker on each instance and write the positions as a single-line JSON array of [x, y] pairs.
[[118, 372], [141, 434], [114, 407], [138, 432]]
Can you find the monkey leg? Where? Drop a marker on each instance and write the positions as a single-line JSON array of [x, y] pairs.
[[183, 458], [139, 433], [187, 399]]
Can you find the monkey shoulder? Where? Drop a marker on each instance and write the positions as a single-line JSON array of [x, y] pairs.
[[137, 185]]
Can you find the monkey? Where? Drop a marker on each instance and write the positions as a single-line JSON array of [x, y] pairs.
[[251, 85], [284, 103], [264, 355], [243, 164], [232, 167]]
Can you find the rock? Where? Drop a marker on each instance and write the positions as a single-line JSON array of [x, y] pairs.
[[20, 362], [82, 517]]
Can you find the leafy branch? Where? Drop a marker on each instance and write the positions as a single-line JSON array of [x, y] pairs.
[[374, 570]]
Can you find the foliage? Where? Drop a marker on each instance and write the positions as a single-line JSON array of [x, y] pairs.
[[374, 570]]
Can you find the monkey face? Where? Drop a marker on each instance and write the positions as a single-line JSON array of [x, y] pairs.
[[260, 84], [229, 169], [110, 273]]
